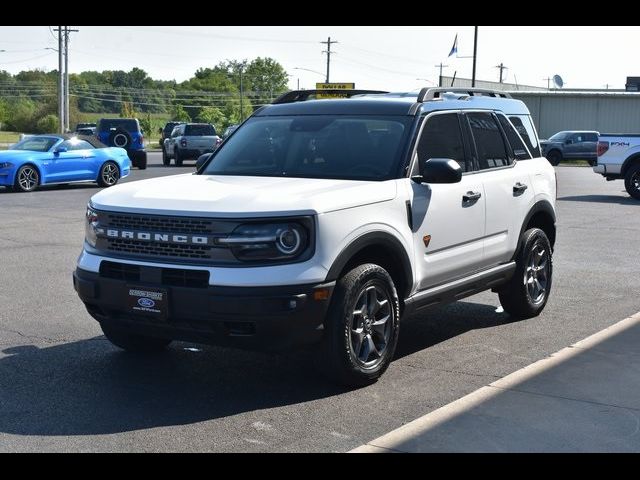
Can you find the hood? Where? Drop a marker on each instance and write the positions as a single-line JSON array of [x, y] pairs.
[[231, 196]]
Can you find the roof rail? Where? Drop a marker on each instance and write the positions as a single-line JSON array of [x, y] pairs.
[[302, 95], [429, 93]]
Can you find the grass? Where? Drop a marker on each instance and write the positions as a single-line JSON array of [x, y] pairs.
[[575, 163], [9, 137]]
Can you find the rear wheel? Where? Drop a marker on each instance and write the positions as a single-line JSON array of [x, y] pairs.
[[362, 326], [109, 174], [527, 292], [132, 342], [632, 181], [554, 157], [27, 179]]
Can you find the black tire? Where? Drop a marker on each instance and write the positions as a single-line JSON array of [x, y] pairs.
[[527, 292], [177, 157], [141, 160], [166, 160], [27, 179], [108, 175], [357, 349], [554, 157], [120, 138], [632, 181], [132, 342]]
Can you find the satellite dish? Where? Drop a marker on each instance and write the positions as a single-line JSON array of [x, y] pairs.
[[557, 81]]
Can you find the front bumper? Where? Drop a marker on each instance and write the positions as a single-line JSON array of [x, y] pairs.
[[255, 318]]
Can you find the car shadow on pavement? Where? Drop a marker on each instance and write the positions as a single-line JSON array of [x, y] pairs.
[[89, 387], [600, 199], [439, 324]]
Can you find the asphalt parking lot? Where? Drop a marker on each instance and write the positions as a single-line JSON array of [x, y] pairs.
[[63, 387]]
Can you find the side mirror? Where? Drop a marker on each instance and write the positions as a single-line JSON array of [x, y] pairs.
[[202, 160], [60, 150], [438, 170]]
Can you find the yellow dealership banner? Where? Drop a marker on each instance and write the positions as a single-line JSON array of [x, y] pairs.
[[333, 86]]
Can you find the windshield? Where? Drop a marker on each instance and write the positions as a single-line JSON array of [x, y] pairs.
[[36, 144], [559, 137], [359, 147], [199, 130], [130, 125]]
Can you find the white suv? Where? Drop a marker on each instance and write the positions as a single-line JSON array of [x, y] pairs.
[[323, 222]]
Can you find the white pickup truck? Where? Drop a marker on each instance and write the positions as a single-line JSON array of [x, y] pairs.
[[619, 158]]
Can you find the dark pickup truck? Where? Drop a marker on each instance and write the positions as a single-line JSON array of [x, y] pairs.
[[571, 145]]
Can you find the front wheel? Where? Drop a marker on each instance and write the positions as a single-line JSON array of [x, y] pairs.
[[527, 292], [132, 342], [632, 181], [27, 179], [109, 174], [362, 326], [165, 158]]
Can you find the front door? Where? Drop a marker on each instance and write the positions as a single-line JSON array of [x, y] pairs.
[[448, 219]]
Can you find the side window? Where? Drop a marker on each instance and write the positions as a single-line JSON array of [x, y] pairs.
[[76, 145], [578, 138], [520, 151], [442, 138], [591, 137], [492, 152], [524, 126]]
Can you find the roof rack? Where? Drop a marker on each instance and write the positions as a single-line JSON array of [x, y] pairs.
[[302, 95], [429, 93]]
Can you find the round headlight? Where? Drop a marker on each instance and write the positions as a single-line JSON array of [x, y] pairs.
[[288, 240]]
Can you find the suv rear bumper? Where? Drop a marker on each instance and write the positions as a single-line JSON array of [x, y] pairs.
[[255, 318], [193, 153]]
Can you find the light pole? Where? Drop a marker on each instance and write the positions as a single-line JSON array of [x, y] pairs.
[[426, 80], [307, 70]]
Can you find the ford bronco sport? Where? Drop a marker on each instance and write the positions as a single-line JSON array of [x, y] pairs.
[[322, 223]]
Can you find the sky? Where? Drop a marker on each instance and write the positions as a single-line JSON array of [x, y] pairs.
[[375, 57]]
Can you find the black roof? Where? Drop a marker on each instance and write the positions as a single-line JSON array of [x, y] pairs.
[[369, 105]]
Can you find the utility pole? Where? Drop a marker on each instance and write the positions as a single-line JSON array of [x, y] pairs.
[[475, 56], [67, 31], [441, 66], [548, 79], [241, 95], [60, 83], [328, 52], [502, 68]]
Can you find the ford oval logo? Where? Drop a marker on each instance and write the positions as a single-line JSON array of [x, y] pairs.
[[146, 302]]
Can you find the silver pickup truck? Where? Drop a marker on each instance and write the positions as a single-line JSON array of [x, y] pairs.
[[188, 141], [619, 158]]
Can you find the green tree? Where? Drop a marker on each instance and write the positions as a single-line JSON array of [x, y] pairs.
[[47, 124], [147, 124], [214, 116], [4, 112], [21, 115], [180, 114], [127, 110], [266, 79]]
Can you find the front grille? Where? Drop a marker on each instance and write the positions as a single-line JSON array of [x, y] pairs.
[[172, 250], [161, 224], [168, 226], [173, 277]]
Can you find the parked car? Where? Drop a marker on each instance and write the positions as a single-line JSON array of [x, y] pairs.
[[571, 144], [124, 133], [619, 159], [320, 223], [229, 130], [188, 141], [165, 132], [86, 128], [47, 159]]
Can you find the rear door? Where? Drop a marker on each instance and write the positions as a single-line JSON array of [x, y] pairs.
[[507, 186], [448, 219]]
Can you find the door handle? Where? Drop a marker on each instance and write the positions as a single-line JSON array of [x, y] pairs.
[[471, 197], [519, 188]]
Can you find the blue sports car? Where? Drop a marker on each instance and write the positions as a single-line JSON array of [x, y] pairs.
[[47, 159]]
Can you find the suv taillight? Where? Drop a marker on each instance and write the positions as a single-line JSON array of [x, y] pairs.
[[183, 142], [602, 148]]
